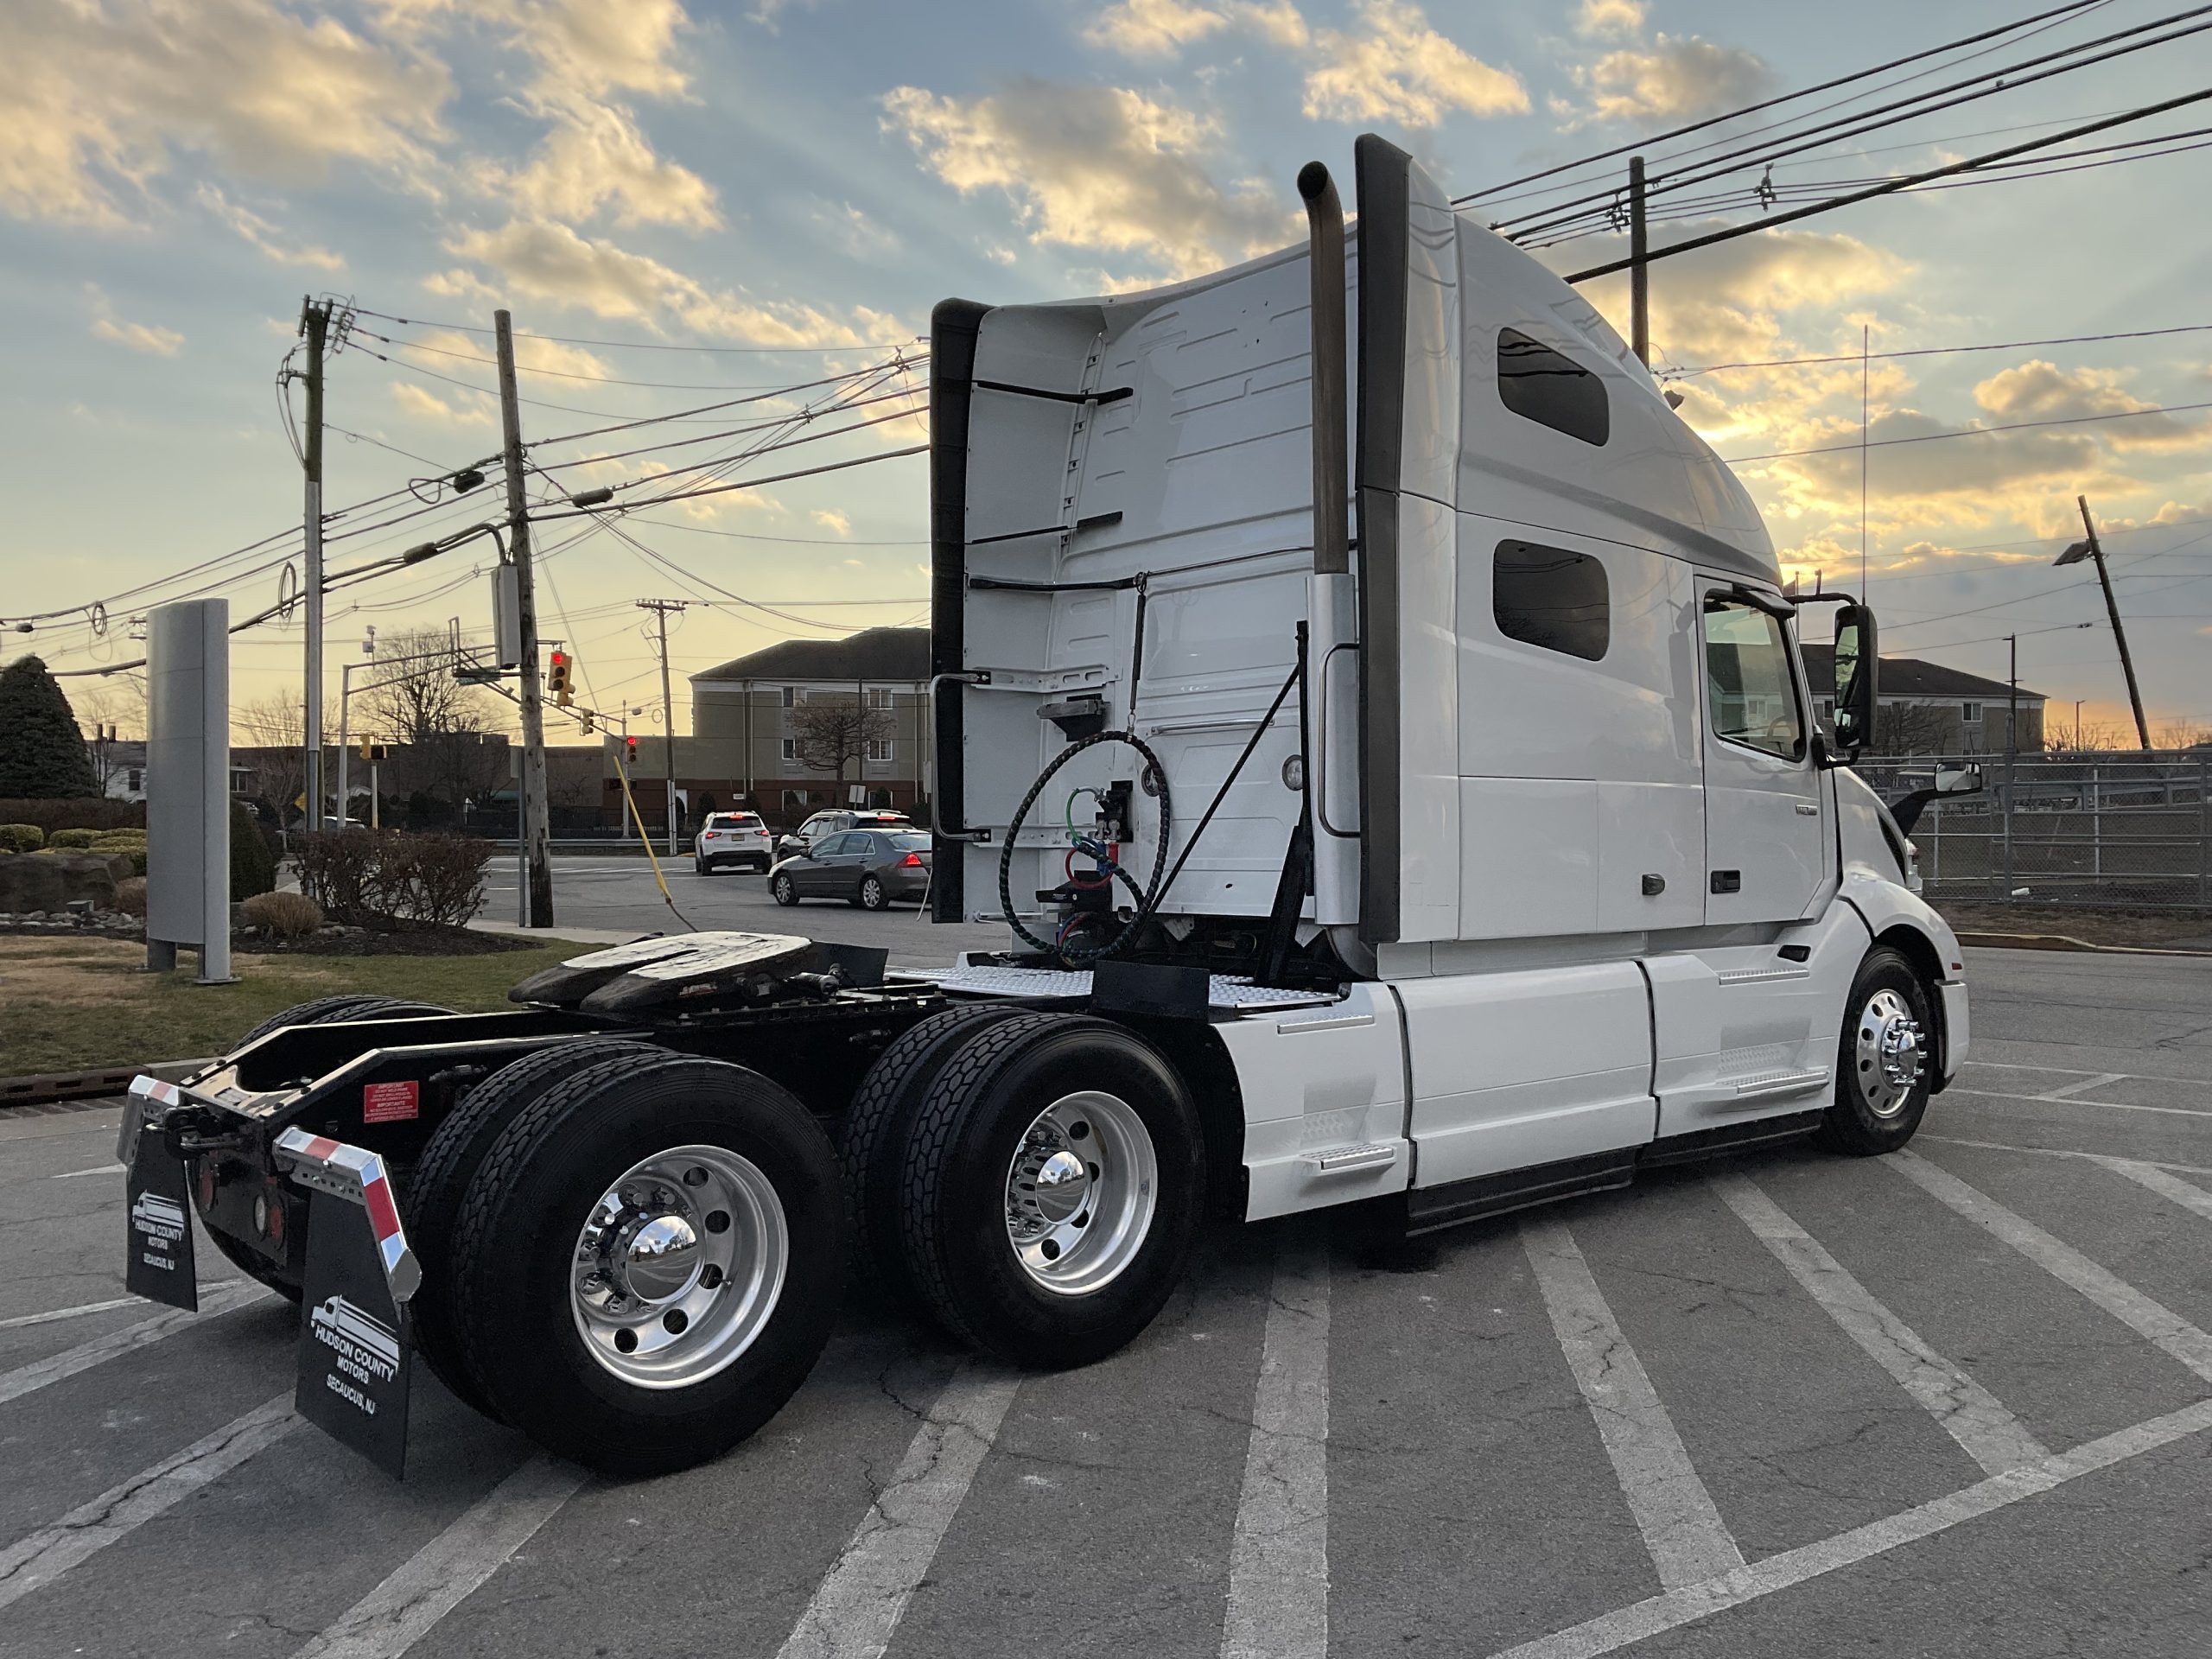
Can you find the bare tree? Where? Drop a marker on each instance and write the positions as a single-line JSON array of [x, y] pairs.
[[2183, 733], [1914, 728], [118, 700], [828, 731], [274, 730], [443, 728]]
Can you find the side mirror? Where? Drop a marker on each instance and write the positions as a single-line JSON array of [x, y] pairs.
[[1958, 780], [1856, 670]]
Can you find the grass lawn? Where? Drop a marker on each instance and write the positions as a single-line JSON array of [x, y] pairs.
[[69, 1004]]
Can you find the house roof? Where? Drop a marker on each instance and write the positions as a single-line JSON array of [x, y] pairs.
[[871, 654], [1908, 676]]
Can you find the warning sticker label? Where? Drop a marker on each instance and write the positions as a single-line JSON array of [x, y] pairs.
[[390, 1102]]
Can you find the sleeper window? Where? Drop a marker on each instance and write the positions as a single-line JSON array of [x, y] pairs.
[[1549, 597], [1551, 388], [1749, 695]]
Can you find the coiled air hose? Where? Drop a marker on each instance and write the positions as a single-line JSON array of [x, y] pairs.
[[1147, 897]]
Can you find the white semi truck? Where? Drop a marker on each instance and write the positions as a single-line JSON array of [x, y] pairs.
[[1379, 720]]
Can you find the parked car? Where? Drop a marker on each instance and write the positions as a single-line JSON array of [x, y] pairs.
[[829, 824], [739, 839], [868, 867]]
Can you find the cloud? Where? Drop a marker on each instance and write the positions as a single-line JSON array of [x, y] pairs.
[[1619, 19], [597, 156], [1097, 166], [1161, 28], [1675, 78], [101, 94], [138, 336], [423, 405], [855, 233], [1400, 69], [546, 261], [2037, 391], [263, 237], [831, 520]]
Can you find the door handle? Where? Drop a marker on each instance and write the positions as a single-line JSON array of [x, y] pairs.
[[1727, 881], [1807, 810]]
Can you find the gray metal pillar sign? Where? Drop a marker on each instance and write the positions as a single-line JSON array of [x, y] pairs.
[[188, 786]]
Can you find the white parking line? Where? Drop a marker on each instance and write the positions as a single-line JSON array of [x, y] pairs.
[[1681, 1528], [2096, 1082], [19, 1320], [1987, 1432], [447, 1570], [2190, 1197], [2068, 1100], [2063, 1152], [96, 1169], [1279, 1557], [2151, 1320], [46, 1555], [858, 1606], [213, 1300], [1693, 1601]]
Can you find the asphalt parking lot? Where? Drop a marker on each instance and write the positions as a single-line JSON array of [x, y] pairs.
[[618, 894], [1953, 1402]]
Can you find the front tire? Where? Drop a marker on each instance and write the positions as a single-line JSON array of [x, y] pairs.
[[648, 1261], [784, 891], [1883, 1058], [1054, 1184]]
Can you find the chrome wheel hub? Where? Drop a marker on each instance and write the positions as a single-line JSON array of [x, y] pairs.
[[678, 1267], [1080, 1192], [1890, 1052]]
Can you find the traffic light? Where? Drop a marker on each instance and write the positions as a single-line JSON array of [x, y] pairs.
[[372, 750], [631, 745], [557, 680]]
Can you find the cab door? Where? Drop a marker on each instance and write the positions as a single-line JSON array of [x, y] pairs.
[[1764, 838]]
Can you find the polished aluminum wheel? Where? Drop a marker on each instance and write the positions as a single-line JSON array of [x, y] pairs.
[[1890, 1052], [678, 1267], [1081, 1192]]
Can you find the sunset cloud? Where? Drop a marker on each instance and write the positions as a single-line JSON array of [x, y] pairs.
[[1396, 68], [1674, 79]]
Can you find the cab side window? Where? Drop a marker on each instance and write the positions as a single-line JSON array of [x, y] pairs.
[[1551, 388], [1749, 696], [1548, 597]]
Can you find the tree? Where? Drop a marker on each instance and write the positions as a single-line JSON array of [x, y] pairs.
[[442, 728], [274, 729], [1914, 728], [828, 731], [42, 752]]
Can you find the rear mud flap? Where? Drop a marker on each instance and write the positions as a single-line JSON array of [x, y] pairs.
[[160, 1264], [355, 1352]]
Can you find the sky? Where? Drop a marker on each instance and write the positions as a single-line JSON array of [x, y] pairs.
[[726, 198]]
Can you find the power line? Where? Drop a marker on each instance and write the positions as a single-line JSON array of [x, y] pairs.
[[1971, 432], [1940, 350], [1771, 103], [643, 344], [1893, 185], [2007, 79]]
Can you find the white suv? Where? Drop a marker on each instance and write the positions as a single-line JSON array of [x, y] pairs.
[[738, 838]]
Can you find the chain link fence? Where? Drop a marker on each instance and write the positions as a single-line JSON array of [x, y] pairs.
[[2121, 829]]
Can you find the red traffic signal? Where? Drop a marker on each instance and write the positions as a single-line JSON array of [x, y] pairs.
[[632, 744], [557, 679]]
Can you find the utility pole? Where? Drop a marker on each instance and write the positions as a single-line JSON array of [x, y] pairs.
[[1639, 270], [536, 841], [660, 608], [2011, 753], [314, 323], [2093, 549]]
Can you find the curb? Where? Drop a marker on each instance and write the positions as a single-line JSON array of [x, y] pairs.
[[45, 1088], [2066, 942]]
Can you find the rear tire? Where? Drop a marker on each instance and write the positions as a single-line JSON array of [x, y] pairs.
[[873, 1145], [248, 1261], [435, 1192], [872, 895], [1056, 1113], [784, 891], [1882, 1059], [565, 1172], [700, 867]]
